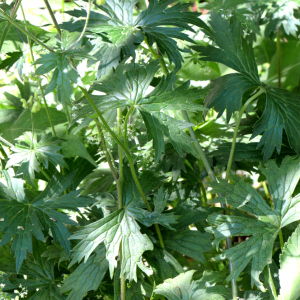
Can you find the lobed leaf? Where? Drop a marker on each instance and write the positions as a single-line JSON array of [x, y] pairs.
[[266, 222]]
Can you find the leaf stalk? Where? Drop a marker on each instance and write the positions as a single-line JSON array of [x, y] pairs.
[[12, 21], [130, 161], [236, 129]]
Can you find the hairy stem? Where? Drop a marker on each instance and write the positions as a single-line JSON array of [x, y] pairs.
[[53, 17], [130, 161], [12, 21], [236, 129], [6, 29]]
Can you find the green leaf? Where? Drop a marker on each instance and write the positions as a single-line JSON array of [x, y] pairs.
[[280, 113], [38, 273], [129, 85], [233, 50], [183, 287], [10, 60], [23, 217], [11, 131], [73, 147], [87, 276], [117, 229], [62, 77], [265, 222], [162, 25], [190, 243], [281, 109], [31, 151], [289, 273], [121, 34], [227, 93]]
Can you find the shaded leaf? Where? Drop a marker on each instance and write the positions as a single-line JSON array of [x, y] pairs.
[[87, 276], [266, 222], [23, 217]]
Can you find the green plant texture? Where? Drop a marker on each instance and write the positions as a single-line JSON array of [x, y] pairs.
[[149, 150]]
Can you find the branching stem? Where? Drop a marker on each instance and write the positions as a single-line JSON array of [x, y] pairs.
[[12, 21], [130, 161]]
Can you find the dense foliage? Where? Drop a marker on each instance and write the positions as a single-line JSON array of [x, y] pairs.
[[150, 150]]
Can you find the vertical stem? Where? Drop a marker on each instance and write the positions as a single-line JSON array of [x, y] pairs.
[[6, 29], [63, 9], [130, 161], [278, 48], [261, 91], [53, 17], [213, 178], [269, 279], [120, 154], [120, 190], [39, 81], [126, 126]]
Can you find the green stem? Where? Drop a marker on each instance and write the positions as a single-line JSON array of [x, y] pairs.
[[8, 18], [204, 198], [84, 29], [53, 17], [32, 126], [63, 9], [126, 126], [6, 142], [3, 152], [269, 279], [44, 173], [111, 166], [120, 154], [6, 29], [278, 48], [130, 161], [213, 178], [39, 81], [120, 192], [261, 91]]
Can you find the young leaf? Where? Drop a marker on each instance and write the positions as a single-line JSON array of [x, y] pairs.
[[87, 276], [62, 76], [266, 222], [289, 273], [117, 229], [32, 151], [183, 287], [23, 217]]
